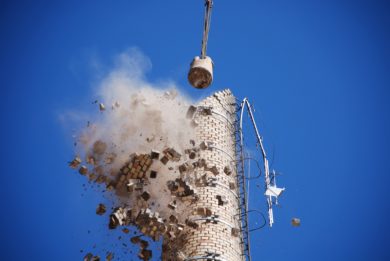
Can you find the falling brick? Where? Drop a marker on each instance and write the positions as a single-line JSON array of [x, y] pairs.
[[164, 160], [155, 154], [172, 205], [296, 222], [83, 170], [145, 254], [153, 174], [109, 256], [135, 240], [75, 163], [101, 209], [145, 195]]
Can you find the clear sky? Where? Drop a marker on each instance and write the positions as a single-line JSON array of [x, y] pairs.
[[317, 73]]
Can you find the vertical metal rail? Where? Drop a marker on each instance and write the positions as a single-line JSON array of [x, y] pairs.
[[266, 165], [242, 193]]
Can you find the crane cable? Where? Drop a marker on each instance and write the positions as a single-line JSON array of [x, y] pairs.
[[207, 20]]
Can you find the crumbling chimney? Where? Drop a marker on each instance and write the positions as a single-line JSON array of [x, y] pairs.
[[208, 234]]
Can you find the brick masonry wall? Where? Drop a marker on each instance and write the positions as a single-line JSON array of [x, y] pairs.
[[213, 237]]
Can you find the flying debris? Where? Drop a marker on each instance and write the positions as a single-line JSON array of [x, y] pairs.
[[174, 189], [200, 75], [296, 222]]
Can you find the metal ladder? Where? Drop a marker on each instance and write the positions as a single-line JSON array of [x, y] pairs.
[[242, 193]]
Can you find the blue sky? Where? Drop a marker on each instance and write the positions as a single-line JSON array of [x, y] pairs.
[[317, 73]]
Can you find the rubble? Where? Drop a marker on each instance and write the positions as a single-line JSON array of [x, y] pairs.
[[150, 223], [154, 154], [119, 217], [183, 168], [135, 240], [143, 243], [192, 153], [137, 167], [145, 254], [91, 160], [91, 257], [101, 209], [172, 205], [153, 174], [145, 195], [173, 219], [153, 177], [296, 222], [83, 170], [180, 188], [172, 154], [109, 256], [164, 160], [75, 162], [88, 257]]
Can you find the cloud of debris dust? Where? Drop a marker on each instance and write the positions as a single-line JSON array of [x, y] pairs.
[[138, 116], [141, 147]]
